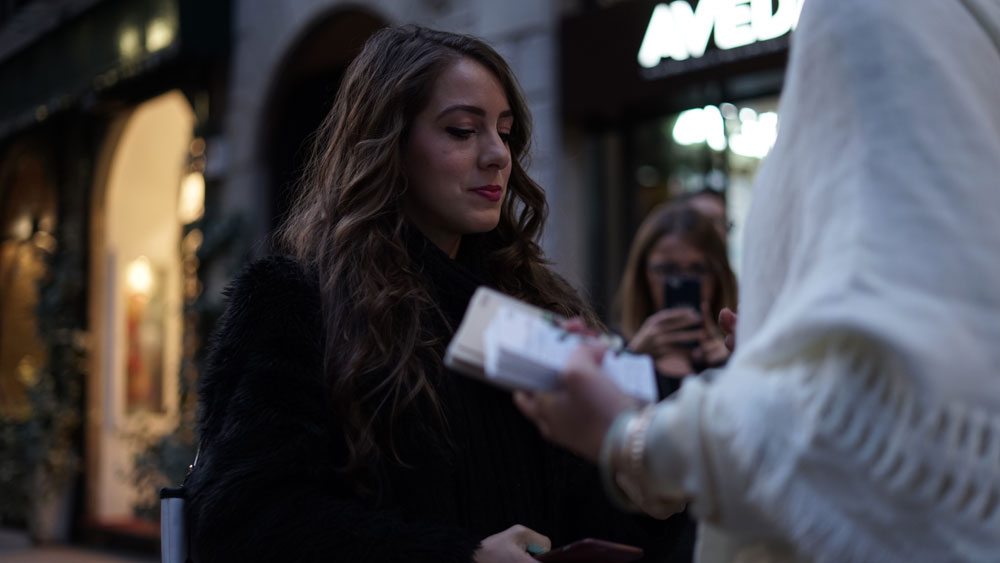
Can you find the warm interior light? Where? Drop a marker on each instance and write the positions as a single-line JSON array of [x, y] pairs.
[[715, 128], [192, 198], [159, 34], [129, 46], [139, 276], [688, 128], [756, 136], [701, 125], [21, 227]]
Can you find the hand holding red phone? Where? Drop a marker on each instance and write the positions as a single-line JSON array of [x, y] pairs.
[[589, 550]]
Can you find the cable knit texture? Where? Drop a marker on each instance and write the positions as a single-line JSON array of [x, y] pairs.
[[266, 488], [859, 419]]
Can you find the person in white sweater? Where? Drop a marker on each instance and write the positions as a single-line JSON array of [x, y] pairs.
[[859, 416]]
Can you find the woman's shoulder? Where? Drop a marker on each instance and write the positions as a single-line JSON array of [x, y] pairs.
[[275, 282], [276, 273], [272, 324], [270, 297]]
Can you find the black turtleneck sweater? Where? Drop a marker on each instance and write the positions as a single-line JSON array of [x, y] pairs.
[[266, 489]]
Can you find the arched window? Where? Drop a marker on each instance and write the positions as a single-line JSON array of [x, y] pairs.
[[142, 200]]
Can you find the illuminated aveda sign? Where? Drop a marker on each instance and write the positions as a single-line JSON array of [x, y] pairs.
[[678, 31]]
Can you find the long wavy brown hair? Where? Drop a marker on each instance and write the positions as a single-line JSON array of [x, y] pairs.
[[348, 226], [634, 301]]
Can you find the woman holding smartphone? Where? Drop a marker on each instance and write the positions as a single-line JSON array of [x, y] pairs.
[[676, 282]]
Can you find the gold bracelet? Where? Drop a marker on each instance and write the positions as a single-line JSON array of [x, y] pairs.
[[635, 443], [634, 480], [611, 463]]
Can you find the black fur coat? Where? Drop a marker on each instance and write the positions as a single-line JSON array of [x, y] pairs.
[[265, 488]]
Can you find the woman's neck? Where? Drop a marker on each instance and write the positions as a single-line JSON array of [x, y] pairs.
[[446, 242], [448, 245]]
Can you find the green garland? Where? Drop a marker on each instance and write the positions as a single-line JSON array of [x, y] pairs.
[[41, 452]]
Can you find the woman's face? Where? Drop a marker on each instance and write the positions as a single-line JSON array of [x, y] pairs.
[[671, 255], [457, 158]]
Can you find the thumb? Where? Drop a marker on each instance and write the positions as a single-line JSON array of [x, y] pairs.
[[728, 320], [583, 361], [531, 540], [590, 351]]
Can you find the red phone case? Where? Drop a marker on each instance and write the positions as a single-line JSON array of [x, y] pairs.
[[590, 550]]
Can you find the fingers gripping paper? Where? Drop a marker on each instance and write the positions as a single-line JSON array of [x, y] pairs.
[[514, 345]]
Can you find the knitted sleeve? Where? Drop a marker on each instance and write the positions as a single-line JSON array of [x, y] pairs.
[[836, 453], [859, 419]]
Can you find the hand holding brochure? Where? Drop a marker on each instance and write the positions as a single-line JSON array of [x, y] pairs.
[[515, 345]]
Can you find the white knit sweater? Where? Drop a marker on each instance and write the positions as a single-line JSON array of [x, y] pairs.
[[859, 418]]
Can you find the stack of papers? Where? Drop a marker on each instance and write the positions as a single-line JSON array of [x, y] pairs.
[[525, 351], [518, 346]]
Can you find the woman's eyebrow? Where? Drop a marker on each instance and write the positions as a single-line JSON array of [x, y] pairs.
[[475, 110]]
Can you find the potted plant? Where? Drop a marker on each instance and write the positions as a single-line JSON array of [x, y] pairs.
[[40, 440], [40, 473]]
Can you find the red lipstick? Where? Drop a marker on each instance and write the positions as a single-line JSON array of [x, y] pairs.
[[492, 192]]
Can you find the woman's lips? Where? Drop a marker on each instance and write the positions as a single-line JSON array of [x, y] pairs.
[[492, 193]]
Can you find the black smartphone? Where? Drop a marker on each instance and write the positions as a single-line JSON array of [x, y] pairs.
[[681, 291], [590, 550]]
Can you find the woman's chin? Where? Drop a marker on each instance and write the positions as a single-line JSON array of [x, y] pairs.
[[482, 225]]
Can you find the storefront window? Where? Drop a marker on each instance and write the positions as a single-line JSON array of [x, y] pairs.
[[138, 287], [27, 222], [716, 148]]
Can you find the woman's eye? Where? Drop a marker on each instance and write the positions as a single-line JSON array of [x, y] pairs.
[[664, 269], [505, 137], [459, 133]]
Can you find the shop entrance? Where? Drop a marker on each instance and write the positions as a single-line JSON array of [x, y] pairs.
[[136, 299]]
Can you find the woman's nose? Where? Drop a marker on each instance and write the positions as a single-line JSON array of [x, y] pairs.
[[495, 153]]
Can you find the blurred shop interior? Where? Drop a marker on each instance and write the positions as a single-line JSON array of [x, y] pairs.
[[106, 115]]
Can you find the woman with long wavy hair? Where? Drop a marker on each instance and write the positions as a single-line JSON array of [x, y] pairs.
[[330, 428]]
